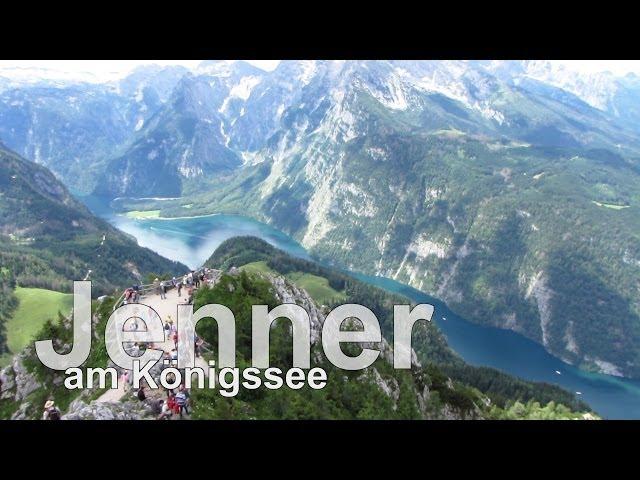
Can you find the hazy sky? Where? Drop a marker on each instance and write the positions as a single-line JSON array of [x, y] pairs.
[[100, 69], [111, 69], [619, 67]]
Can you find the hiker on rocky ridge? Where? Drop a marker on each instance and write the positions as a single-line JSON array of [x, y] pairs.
[[51, 412]]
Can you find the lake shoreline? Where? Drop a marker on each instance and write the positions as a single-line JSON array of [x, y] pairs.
[[196, 237], [187, 217]]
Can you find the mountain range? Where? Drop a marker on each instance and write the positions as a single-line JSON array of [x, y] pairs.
[[48, 238], [509, 189]]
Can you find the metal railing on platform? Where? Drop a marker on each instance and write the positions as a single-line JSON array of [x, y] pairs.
[[169, 284]]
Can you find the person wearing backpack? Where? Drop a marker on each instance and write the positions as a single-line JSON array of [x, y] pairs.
[[141, 395], [136, 293], [51, 412]]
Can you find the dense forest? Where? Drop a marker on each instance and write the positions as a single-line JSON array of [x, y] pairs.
[[348, 395], [8, 302], [354, 394], [48, 239]]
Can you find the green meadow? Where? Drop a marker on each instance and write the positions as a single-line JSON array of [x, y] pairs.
[[142, 214], [317, 287], [36, 306]]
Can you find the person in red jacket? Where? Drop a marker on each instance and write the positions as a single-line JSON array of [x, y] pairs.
[[171, 402]]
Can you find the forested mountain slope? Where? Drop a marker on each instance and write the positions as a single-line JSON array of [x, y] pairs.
[[50, 239]]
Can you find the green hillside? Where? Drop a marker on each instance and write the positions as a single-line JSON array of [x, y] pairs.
[[35, 307], [348, 395], [318, 287], [428, 342], [8, 304], [50, 239]]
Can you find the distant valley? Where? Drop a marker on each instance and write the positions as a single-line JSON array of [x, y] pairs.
[[509, 189]]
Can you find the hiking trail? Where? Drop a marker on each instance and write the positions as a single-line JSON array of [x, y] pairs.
[[165, 308]]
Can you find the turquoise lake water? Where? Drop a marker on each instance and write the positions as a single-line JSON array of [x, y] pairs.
[[192, 240]]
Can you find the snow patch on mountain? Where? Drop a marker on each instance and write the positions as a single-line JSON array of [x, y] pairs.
[[242, 90], [596, 89], [377, 153], [309, 69], [392, 95], [244, 87], [225, 135]]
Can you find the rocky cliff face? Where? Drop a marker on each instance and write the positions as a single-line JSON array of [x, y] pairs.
[[287, 292], [184, 140], [126, 410], [371, 160], [17, 382]]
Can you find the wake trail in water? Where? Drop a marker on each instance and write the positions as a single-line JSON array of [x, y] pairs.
[[178, 232]]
